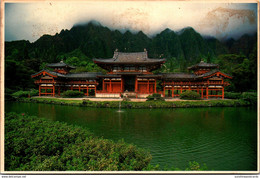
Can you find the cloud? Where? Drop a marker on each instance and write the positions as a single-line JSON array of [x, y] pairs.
[[219, 19]]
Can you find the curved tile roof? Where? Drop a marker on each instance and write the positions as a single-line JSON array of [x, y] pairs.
[[136, 57], [203, 64], [83, 75], [179, 76], [50, 72], [89, 75], [60, 64]]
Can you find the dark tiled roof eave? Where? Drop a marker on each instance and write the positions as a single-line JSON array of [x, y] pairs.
[[83, 75], [212, 72], [150, 75], [50, 72], [178, 76], [60, 64], [112, 61], [109, 76], [203, 65]]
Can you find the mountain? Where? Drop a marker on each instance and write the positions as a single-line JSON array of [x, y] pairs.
[[96, 41], [244, 45], [84, 42]]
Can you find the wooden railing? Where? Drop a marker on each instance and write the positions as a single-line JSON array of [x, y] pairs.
[[44, 81]]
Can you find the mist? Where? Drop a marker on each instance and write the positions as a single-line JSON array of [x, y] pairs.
[[220, 20]]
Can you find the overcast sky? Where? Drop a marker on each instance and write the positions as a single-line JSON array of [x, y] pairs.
[[29, 21]]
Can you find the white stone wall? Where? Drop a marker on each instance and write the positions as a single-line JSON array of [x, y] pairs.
[[107, 95]]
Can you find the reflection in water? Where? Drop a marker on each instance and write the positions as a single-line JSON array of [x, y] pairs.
[[223, 138]]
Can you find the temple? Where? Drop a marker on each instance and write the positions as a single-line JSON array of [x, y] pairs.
[[60, 79], [131, 75]]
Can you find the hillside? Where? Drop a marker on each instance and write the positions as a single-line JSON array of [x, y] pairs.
[[79, 45]]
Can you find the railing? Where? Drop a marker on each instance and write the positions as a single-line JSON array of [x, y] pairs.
[[44, 81], [80, 82]]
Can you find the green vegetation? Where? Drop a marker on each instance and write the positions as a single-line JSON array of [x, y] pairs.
[[55, 146], [190, 95], [232, 95], [155, 97], [136, 105], [72, 94], [21, 94], [250, 97], [242, 68]]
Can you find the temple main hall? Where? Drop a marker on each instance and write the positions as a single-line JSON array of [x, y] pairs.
[[131, 75]]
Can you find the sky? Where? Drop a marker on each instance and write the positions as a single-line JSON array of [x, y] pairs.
[[29, 21]]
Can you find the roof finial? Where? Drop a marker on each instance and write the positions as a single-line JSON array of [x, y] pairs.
[[61, 61], [115, 54], [144, 49]]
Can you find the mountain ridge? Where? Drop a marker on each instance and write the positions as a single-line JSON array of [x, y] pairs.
[[98, 41]]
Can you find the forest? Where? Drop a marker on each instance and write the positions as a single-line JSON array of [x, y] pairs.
[[79, 45]]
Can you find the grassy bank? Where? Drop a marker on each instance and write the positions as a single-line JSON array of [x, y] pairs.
[[37, 144], [147, 104]]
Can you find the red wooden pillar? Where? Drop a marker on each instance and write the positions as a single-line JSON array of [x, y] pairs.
[[87, 90], [202, 91], [155, 86], [163, 88], [181, 87], [95, 90], [110, 86], [222, 92], [148, 86], [136, 84], [40, 90], [103, 84], [207, 92], [79, 87], [53, 90], [172, 91], [121, 85]]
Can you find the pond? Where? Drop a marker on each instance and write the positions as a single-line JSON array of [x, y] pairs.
[[222, 138]]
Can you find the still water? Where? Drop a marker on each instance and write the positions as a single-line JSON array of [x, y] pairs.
[[222, 138]]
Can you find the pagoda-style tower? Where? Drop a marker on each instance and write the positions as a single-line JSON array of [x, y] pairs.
[[202, 68], [61, 67]]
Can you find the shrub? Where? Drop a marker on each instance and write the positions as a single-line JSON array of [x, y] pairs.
[[250, 97], [72, 94], [195, 166], [155, 97], [22, 94], [231, 95], [190, 95]]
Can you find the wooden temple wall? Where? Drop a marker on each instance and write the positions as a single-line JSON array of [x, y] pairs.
[[53, 87], [147, 86], [112, 86], [117, 86], [205, 89]]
